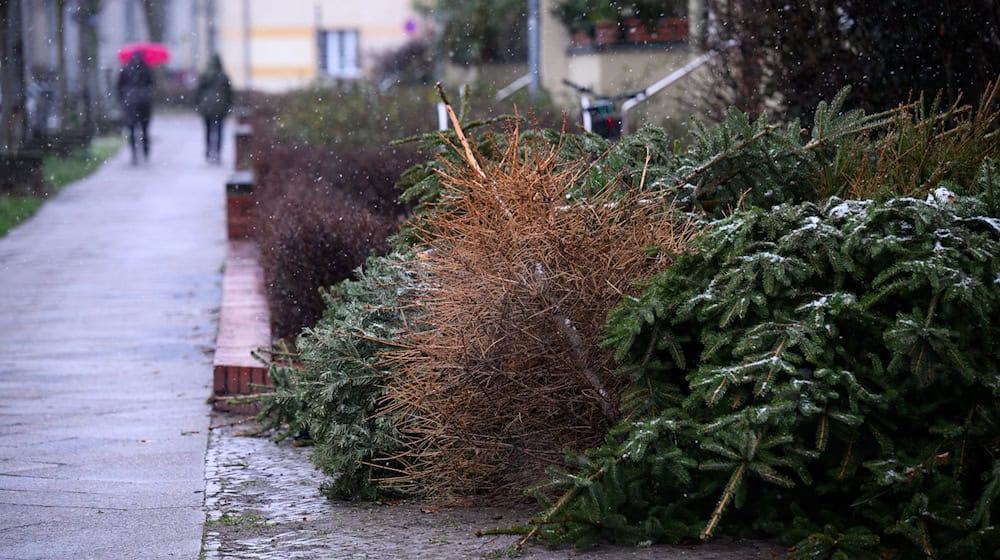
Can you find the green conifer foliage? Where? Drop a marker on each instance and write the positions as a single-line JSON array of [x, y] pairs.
[[826, 373], [906, 151], [821, 369], [329, 389]]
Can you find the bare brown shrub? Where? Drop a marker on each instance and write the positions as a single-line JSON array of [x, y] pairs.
[[309, 241], [321, 209], [506, 372]]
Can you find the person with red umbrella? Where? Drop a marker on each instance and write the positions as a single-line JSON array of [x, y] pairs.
[[153, 54], [135, 93]]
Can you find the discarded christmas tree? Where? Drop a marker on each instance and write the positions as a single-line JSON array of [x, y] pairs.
[[328, 391], [815, 368], [825, 373], [501, 371]]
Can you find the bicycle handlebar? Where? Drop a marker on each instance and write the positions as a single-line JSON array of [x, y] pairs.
[[577, 87], [611, 98]]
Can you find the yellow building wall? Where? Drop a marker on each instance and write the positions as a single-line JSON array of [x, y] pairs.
[[272, 45], [622, 70]]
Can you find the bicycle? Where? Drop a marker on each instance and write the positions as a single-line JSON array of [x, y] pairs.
[[602, 116]]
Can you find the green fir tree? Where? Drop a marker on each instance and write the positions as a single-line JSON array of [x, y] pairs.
[[329, 389], [822, 373]]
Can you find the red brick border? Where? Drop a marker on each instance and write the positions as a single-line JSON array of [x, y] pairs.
[[244, 327]]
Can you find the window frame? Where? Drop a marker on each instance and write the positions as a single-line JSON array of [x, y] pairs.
[[347, 42]]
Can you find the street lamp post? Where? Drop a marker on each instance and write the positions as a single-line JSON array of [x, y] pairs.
[[533, 48]]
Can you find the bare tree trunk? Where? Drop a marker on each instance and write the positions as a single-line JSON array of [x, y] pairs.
[[87, 12], [735, 78], [3, 47], [154, 12], [62, 90], [13, 112]]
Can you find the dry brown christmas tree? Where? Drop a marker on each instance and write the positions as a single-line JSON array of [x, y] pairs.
[[506, 372]]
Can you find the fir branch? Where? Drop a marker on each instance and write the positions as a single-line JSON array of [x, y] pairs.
[[565, 500], [767, 130], [734, 480], [470, 158], [853, 124], [380, 340]]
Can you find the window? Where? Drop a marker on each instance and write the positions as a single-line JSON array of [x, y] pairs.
[[339, 53]]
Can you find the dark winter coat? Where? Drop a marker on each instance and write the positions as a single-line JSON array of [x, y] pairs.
[[135, 91], [214, 97]]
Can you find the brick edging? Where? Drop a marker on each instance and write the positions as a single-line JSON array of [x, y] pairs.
[[244, 327]]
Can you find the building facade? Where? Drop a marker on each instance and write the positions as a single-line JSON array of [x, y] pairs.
[[71, 47], [277, 45], [271, 45]]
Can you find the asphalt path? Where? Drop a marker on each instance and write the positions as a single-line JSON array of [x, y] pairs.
[[108, 308]]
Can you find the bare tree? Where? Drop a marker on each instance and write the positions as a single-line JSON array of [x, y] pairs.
[[62, 90], [155, 19], [13, 111], [86, 16], [791, 55]]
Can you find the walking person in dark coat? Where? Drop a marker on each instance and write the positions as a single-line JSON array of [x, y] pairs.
[[213, 101], [135, 93]]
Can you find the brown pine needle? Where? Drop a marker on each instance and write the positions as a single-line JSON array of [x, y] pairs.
[[505, 370]]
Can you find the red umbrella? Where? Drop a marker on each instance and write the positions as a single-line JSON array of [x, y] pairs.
[[152, 53]]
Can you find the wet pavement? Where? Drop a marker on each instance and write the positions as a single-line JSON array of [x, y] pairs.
[[108, 307], [263, 503]]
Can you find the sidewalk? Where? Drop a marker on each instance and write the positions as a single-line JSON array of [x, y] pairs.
[[108, 303]]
